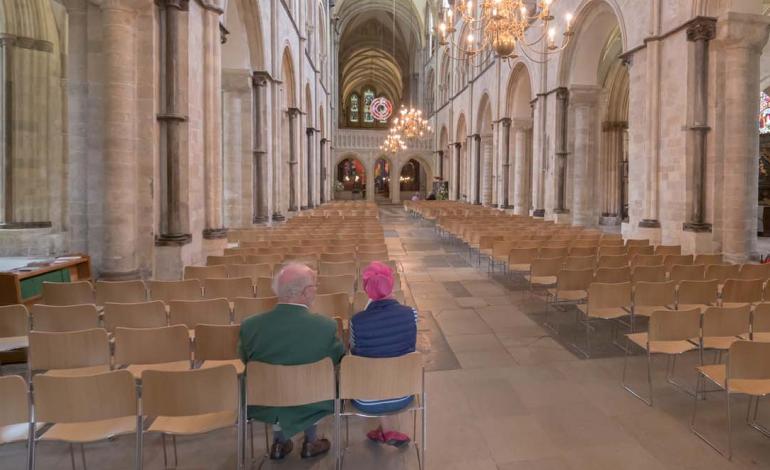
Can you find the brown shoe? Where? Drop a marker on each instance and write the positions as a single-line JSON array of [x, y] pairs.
[[279, 450], [315, 448]]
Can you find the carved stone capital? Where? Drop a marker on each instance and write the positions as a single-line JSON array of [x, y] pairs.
[[261, 78], [743, 31], [223, 33], [562, 93], [702, 28], [521, 124], [587, 95], [505, 122], [294, 112], [457, 145]]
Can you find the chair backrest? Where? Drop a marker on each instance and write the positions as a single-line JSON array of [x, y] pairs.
[[760, 322], [252, 271], [674, 325], [546, 266], [216, 342], [191, 313], [726, 321], [637, 242], [613, 250], [120, 291], [228, 288], [698, 292], [722, 272], [709, 258], [338, 257], [60, 318], [332, 305], [224, 260], [68, 293], [583, 251], [14, 320], [205, 272], [670, 261], [572, 280], [742, 290], [175, 290], [604, 295], [693, 272], [244, 307], [649, 273], [329, 268], [612, 261], [647, 260], [654, 293], [748, 360], [333, 284], [369, 257], [151, 345], [150, 314], [273, 385], [86, 398], [666, 250], [68, 350], [271, 259], [612, 275], [190, 392], [641, 250], [580, 262], [755, 271], [367, 378], [265, 287], [553, 252], [14, 407]]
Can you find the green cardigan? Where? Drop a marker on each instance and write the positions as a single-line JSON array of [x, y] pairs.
[[290, 335]]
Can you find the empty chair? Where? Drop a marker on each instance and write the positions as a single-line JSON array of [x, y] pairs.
[[640, 250], [228, 288], [649, 274], [607, 242], [224, 260], [218, 344], [583, 251], [175, 290], [68, 293], [14, 412], [240, 251], [697, 294], [86, 409], [577, 263], [120, 291], [306, 250], [150, 314], [553, 252], [333, 284], [332, 305], [271, 259], [245, 307], [634, 242], [14, 328], [520, 259], [613, 250], [709, 258], [669, 261], [140, 349], [605, 302], [741, 291], [647, 260], [612, 275], [62, 318], [265, 287], [327, 268], [612, 261], [722, 272], [652, 296], [760, 322], [191, 402], [669, 333], [755, 271], [543, 272], [338, 257], [722, 326], [191, 313], [69, 353], [253, 271], [205, 272], [693, 272], [571, 287], [667, 250]]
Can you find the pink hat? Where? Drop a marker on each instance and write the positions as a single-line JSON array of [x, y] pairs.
[[378, 280]]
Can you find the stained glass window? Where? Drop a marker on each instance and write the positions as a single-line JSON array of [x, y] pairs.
[[353, 108], [764, 113], [368, 98]]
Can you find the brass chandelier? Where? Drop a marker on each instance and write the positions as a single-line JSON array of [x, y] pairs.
[[411, 124], [498, 26], [393, 143]]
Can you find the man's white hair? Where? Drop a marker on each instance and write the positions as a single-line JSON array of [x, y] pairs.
[[291, 280]]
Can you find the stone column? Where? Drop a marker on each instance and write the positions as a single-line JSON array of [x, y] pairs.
[[506, 147], [742, 37], [120, 165], [456, 185], [261, 211], [562, 102], [370, 192], [6, 158], [212, 132], [521, 170], [486, 177], [294, 115], [584, 101], [174, 227], [476, 172], [700, 32], [233, 156], [539, 165], [395, 183], [322, 172], [440, 154]]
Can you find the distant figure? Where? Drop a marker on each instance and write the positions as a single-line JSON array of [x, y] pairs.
[[415, 197], [384, 329], [290, 335], [431, 197]]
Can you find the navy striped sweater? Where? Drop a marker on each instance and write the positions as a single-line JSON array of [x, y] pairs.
[[385, 329]]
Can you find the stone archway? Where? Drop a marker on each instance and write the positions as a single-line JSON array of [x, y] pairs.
[[350, 178], [516, 164], [483, 155]]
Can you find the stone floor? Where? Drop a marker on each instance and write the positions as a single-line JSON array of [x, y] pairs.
[[503, 392]]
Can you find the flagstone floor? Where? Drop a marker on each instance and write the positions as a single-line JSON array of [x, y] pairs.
[[503, 392]]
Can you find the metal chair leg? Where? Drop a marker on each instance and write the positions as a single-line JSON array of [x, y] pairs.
[[165, 455], [139, 443], [648, 402], [83, 456], [700, 388], [72, 456]]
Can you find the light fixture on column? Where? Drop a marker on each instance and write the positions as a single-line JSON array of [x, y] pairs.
[[498, 26]]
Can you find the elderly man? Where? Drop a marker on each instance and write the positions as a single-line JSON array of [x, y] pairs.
[[291, 335]]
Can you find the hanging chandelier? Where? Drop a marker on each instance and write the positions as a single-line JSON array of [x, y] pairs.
[[393, 143], [410, 124], [498, 26]]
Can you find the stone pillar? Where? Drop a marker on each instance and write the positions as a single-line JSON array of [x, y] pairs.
[[212, 133], [233, 156], [119, 259], [294, 115], [370, 191], [521, 170], [440, 154], [174, 226], [322, 172], [6, 149], [611, 172], [539, 165], [562, 101], [475, 184], [486, 177], [456, 185], [261, 211], [506, 147], [742, 37], [395, 183], [310, 132], [584, 102], [700, 32]]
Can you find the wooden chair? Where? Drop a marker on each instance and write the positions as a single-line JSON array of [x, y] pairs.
[[612, 275], [120, 291], [364, 378], [646, 260], [140, 349], [722, 326], [649, 274], [68, 293], [583, 251], [571, 288], [327, 268], [637, 242], [191, 402], [337, 257], [747, 372], [697, 294], [553, 252], [15, 413], [610, 242], [669, 333], [669, 261], [722, 272], [228, 288], [245, 307], [640, 250], [271, 259], [253, 271], [71, 353], [709, 258], [653, 296], [54, 318], [225, 260], [86, 409], [205, 272], [693, 272], [14, 328], [332, 305], [192, 313], [520, 259], [612, 250], [607, 302], [333, 284], [150, 314], [216, 345], [612, 261], [167, 291], [755, 271], [579, 263], [543, 272], [667, 250], [265, 287], [741, 291]]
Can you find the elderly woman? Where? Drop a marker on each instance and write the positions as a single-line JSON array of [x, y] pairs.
[[384, 329]]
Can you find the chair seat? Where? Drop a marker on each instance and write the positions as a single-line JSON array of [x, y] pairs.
[[519, 267], [568, 295], [719, 342], [80, 371], [660, 347], [197, 424], [715, 373], [14, 433], [701, 307], [237, 363], [646, 310], [761, 336], [90, 431], [137, 369], [541, 280], [11, 343], [735, 304], [608, 313]]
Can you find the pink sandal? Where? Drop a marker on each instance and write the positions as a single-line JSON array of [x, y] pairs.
[[376, 435], [396, 439]]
